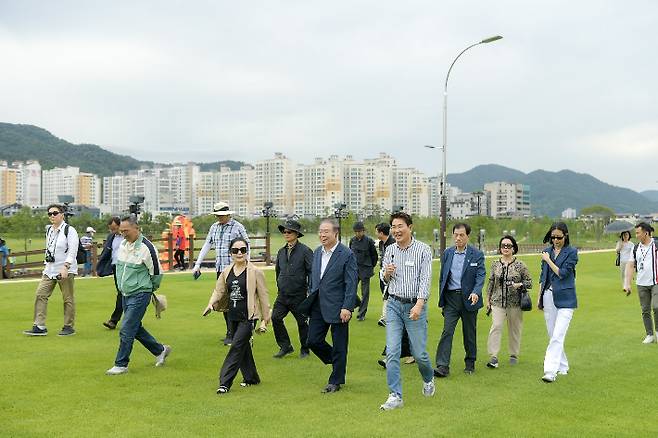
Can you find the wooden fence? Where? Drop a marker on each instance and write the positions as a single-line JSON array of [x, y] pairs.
[[259, 250]]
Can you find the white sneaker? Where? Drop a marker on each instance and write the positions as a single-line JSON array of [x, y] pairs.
[[160, 360], [549, 377], [429, 388], [650, 339], [392, 402], [115, 370], [563, 372]]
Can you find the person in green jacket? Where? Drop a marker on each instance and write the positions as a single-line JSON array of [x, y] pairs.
[[138, 275]]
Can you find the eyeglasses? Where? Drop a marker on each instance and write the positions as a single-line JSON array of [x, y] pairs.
[[557, 237], [242, 249], [53, 213], [507, 245]]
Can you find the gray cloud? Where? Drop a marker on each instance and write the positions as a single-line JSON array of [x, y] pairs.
[[570, 86]]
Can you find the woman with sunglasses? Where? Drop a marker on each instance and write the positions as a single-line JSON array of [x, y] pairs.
[[241, 292], [558, 297], [509, 276]]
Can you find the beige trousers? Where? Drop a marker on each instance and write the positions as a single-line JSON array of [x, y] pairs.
[[44, 290], [514, 317]]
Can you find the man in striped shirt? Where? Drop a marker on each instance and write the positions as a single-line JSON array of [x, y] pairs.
[[219, 236], [407, 270]]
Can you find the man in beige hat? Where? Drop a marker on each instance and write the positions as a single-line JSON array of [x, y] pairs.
[[219, 236]]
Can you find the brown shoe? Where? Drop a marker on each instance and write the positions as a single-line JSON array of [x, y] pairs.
[[110, 324]]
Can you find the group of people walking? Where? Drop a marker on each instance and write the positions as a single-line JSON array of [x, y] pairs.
[[319, 288]]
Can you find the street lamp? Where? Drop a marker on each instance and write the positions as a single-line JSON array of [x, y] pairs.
[[340, 213], [444, 200], [267, 214]]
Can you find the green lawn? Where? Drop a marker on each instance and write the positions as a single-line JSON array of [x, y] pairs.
[[56, 386]]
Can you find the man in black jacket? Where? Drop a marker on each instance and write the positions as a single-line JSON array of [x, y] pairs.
[[106, 266], [293, 269], [364, 249]]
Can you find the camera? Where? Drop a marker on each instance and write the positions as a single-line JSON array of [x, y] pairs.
[[50, 258], [509, 283]]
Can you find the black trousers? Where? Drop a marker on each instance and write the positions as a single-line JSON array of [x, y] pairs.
[[452, 312], [282, 306], [118, 305], [240, 356], [365, 295], [335, 355], [229, 329], [179, 257]]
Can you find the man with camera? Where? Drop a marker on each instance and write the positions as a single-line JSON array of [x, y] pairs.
[[60, 268]]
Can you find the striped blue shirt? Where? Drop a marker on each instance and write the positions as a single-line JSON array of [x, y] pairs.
[[413, 270]]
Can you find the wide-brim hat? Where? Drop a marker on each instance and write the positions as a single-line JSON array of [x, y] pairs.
[[292, 225], [221, 209]]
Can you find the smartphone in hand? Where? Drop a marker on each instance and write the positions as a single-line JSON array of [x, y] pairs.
[[207, 312], [196, 275]]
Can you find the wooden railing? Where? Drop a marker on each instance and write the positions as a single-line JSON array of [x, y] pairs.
[[259, 249]]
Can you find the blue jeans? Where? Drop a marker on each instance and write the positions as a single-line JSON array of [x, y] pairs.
[[397, 320], [87, 269], [134, 307]]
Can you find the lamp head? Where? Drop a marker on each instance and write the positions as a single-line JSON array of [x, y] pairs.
[[491, 39]]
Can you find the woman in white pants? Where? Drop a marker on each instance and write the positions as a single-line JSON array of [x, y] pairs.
[[557, 297]]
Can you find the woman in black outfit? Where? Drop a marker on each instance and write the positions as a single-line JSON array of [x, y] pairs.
[[241, 292]]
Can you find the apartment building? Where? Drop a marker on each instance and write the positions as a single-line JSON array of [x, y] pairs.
[[84, 187], [274, 181], [508, 199], [20, 183]]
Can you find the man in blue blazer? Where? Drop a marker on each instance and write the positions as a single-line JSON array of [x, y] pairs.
[[460, 297], [333, 291]]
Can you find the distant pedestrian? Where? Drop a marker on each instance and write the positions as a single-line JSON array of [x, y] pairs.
[[557, 297], [138, 276], [180, 244], [240, 292], [4, 258], [106, 266], [624, 249], [384, 241], [644, 261], [293, 272], [508, 277], [60, 269], [219, 237], [365, 252], [87, 241]]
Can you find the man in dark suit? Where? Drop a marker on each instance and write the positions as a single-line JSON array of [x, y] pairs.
[[460, 288], [106, 266], [333, 294]]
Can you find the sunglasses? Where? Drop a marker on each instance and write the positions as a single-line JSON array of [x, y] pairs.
[[242, 249], [507, 245], [53, 213], [557, 237]]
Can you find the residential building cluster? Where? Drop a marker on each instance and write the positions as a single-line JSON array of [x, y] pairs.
[[365, 187]]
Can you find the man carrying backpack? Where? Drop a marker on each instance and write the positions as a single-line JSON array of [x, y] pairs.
[[60, 268], [644, 260]]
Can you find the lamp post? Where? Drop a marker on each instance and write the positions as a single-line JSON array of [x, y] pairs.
[[340, 213], [444, 200], [267, 214]]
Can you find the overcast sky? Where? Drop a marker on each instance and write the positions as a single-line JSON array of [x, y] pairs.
[[572, 84]]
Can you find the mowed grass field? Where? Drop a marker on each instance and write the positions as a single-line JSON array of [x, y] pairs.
[[54, 386]]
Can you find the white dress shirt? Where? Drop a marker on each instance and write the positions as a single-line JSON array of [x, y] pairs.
[[326, 256], [64, 249]]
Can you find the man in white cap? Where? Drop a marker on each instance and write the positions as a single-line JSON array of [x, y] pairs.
[[219, 237], [87, 241]]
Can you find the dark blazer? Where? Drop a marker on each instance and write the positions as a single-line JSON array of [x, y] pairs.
[[337, 288], [293, 273], [104, 264], [472, 276], [564, 285]]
